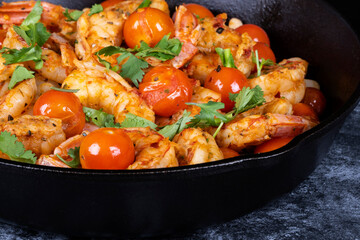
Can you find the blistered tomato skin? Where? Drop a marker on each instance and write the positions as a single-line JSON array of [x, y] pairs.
[[166, 90], [149, 25], [225, 80], [107, 148], [63, 105], [255, 32]]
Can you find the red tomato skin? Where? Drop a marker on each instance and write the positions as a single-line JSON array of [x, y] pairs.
[[272, 144], [229, 153], [166, 90], [63, 105], [255, 32], [199, 10], [303, 109], [264, 51], [316, 99], [107, 148], [149, 25], [225, 80]]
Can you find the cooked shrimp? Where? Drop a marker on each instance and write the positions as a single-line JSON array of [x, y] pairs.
[[187, 30], [51, 161], [196, 146], [52, 16], [152, 150], [6, 70], [214, 33], [100, 91], [278, 105], [15, 101], [98, 31], [285, 79], [53, 68], [255, 129], [38, 133], [128, 7], [62, 151]]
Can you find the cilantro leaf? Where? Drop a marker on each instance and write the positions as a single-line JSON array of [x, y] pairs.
[[144, 4], [132, 120], [165, 49], [34, 16], [23, 55], [170, 131], [14, 149], [20, 74], [100, 118], [247, 99], [73, 15], [132, 68], [74, 153], [226, 57], [96, 8], [209, 115]]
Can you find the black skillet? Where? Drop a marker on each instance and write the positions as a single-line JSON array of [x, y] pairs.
[[167, 201]]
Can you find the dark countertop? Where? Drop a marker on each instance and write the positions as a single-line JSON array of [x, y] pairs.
[[325, 206]]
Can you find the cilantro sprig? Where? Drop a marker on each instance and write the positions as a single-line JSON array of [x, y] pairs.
[[73, 15], [35, 35], [20, 74], [171, 130], [96, 8], [14, 149], [226, 57], [132, 69], [260, 63]]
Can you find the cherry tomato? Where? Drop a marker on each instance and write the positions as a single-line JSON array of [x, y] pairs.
[[255, 32], [225, 80], [229, 153], [107, 148], [166, 89], [2, 36], [316, 99], [199, 10], [264, 52], [65, 106], [302, 109], [149, 25], [272, 144]]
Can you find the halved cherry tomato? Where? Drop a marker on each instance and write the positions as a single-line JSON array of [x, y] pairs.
[[229, 153], [65, 106], [255, 32], [149, 25], [199, 10], [316, 99], [166, 89], [225, 80], [302, 109], [272, 144], [107, 148]]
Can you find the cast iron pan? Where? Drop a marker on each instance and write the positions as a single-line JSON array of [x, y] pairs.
[[178, 200]]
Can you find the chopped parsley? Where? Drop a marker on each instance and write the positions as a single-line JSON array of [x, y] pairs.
[[20, 74]]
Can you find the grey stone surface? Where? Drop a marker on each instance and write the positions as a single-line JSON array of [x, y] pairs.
[[325, 206]]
